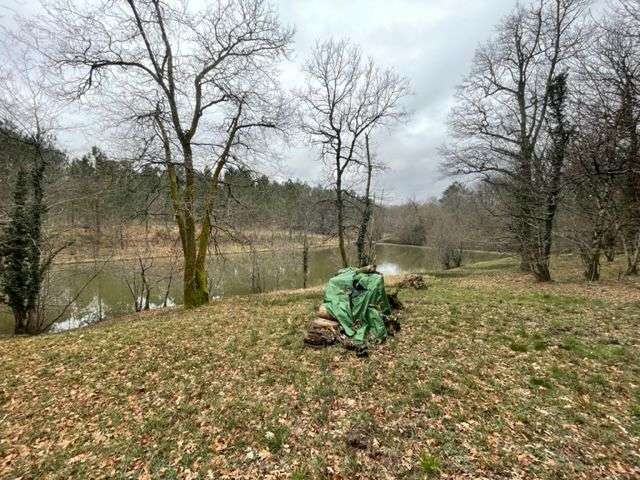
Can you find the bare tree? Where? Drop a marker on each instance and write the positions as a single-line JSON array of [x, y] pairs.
[[498, 122], [550, 173], [365, 239], [615, 76], [591, 200], [608, 158], [202, 81], [346, 97], [367, 209]]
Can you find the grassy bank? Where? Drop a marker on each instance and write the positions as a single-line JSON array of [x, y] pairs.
[[492, 376], [163, 242]]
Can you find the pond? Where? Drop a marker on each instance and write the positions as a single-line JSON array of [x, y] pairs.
[[112, 290]]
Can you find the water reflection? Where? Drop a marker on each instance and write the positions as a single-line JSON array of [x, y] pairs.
[[389, 268], [108, 295]]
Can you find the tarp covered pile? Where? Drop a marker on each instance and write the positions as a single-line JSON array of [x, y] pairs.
[[357, 300], [356, 311]]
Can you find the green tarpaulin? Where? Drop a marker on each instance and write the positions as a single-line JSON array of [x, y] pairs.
[[358, 301]]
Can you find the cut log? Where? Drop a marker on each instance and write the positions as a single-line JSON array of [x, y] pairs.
[[322, 332], [324, 313]]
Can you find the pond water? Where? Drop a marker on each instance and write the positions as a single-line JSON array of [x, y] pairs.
[[109, 293]]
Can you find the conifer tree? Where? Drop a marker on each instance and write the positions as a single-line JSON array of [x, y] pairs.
[[16, 252], [21, 242]]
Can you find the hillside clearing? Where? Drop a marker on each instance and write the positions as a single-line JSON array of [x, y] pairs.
[[492, 376]]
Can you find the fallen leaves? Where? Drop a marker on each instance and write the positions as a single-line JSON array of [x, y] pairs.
[[198, 395]]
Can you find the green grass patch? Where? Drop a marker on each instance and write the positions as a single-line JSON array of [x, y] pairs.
[[429, 464]]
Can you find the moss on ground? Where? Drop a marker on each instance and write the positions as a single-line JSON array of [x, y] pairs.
[[492, 376]]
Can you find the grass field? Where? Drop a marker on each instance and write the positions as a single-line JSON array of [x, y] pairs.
[[492, 376]]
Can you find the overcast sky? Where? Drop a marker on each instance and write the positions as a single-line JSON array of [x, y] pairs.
[[429, 41]]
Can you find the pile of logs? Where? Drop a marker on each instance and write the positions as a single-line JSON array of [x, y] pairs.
[[323, 330]]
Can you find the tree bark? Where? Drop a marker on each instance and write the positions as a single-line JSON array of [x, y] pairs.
[[363, 258], [26, 321], [340, 207], [305, 260], [20, 321], [522, 205], [592, 264], [195, 288], [560, 136], [631, 244]]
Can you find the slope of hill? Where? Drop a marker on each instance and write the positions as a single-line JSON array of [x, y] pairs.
[[492, 376]]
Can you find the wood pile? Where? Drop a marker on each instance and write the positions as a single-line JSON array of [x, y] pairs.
[[322, 332], [325, 330]]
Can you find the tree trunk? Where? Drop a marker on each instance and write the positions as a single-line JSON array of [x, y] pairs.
[[541, 266], [632, 261], [541, 269], [610, 243], [168, 289], [591, 257], [305, 261], [34, 326], [98, 227], [340, 208], [194, 250], [523, 228], [26, 321], [631, 245], [363, 258], [523, 183], [20, 321], [592, 264], [256, 284], [196, 291]]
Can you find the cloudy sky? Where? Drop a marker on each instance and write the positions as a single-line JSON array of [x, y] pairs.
[[429, 41]]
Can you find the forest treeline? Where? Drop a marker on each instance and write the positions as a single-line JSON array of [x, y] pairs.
[[103, 205]]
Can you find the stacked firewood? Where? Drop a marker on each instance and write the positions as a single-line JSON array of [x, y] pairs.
[[323, 330]]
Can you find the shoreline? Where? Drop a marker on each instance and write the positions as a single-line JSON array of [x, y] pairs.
[[179, 257], [258, 250]]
